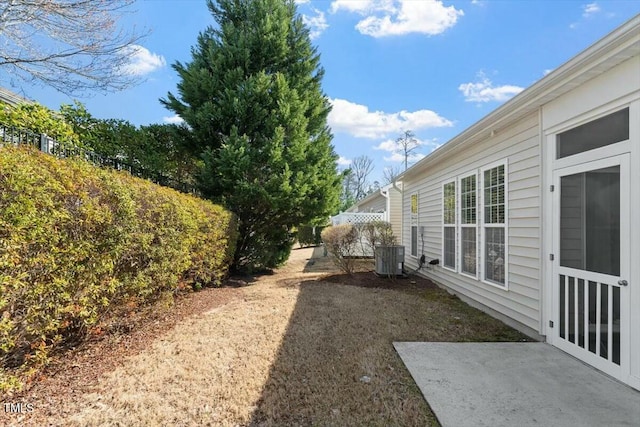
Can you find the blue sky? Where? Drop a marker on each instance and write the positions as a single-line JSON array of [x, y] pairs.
[[433, 67]]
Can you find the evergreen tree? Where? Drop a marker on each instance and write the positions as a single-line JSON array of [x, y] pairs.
[[252, 98]]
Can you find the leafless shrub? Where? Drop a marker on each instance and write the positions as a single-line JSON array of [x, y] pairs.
[[377, 233], [340, 241]]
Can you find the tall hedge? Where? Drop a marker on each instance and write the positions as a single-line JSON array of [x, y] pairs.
[[77, 242]]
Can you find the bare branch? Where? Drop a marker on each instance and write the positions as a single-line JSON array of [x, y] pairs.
[[71, 45], [408, 143], [361, 168], [390, 173]]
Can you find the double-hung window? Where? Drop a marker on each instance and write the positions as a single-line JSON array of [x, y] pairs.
[[468, 226], [449, 225], [494, 224], [414, 224]]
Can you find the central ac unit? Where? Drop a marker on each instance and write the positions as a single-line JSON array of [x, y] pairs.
[[389, 260]]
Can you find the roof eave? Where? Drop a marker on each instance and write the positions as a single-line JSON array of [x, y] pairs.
[[618, 46]]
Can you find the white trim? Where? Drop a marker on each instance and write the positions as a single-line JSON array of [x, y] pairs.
[[543, 302], [505, 225], [449, 181], [593, 114], [550, 164], [387, 208], [620, 371], [610, 150], [613, 49], [633, 378], [461, 177], [414, 222], [629, 371]]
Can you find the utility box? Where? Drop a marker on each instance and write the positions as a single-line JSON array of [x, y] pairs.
[[389, 260]]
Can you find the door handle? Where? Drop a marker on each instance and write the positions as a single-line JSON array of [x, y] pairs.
[[622, 282]]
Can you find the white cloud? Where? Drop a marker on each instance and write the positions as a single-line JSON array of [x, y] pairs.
[[301, 1], [316, 24], [143, 61], [590, 9], [343, 161], [485, 91], [397, 154], [399, 157], [388, 145], [358, 121], [398, 17], [392, 145], [174, 120], [361, 6], [547, 71]]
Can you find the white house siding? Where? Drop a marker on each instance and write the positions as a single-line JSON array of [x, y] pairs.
[[375, 204], [395, 212], [617, 88], [519, 144]]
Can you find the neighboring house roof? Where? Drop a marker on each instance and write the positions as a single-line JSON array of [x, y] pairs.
[[382, 192], [367, 199], [615, 48], [11, 98]]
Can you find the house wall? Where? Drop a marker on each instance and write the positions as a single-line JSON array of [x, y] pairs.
[[519, 145], [375, 204], [617, 88], [11, 98], [395, 212]]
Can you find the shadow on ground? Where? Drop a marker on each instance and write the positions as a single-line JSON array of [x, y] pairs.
[[320, 262], [337, 365]]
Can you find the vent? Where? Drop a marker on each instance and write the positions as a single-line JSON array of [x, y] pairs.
[[389, 260]]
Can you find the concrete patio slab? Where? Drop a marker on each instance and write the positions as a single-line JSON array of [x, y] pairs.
[[516, 384]]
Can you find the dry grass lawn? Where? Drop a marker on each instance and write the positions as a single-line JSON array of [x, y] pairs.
[[292, 350]]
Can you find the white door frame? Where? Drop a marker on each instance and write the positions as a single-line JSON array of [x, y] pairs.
[[589, 162]]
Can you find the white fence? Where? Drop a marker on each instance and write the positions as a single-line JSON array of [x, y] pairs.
[[363, 248], [357, 217]]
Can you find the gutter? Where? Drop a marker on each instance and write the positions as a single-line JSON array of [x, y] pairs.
[[615, 48]]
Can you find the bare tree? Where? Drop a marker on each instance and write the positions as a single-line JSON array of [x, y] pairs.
[[70, 45], [390, 173], [407, 143], [361, 168]]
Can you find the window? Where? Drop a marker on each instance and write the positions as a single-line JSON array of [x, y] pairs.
[[449, 225], [468, 227], [494, 224], [598, 133], [414, 225]]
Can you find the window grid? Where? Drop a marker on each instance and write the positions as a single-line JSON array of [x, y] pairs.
[[449, 225], [468, 200], [450, 203], [468, 228], [494, 255], [494, 209], [468, 251], [494, 226]]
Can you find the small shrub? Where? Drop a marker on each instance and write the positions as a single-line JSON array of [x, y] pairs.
[[341, 243], [306, 236], [317, 237]]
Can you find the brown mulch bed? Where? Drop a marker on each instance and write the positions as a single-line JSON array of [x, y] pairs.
[[368, 279], [364, 276], [73, 372]]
